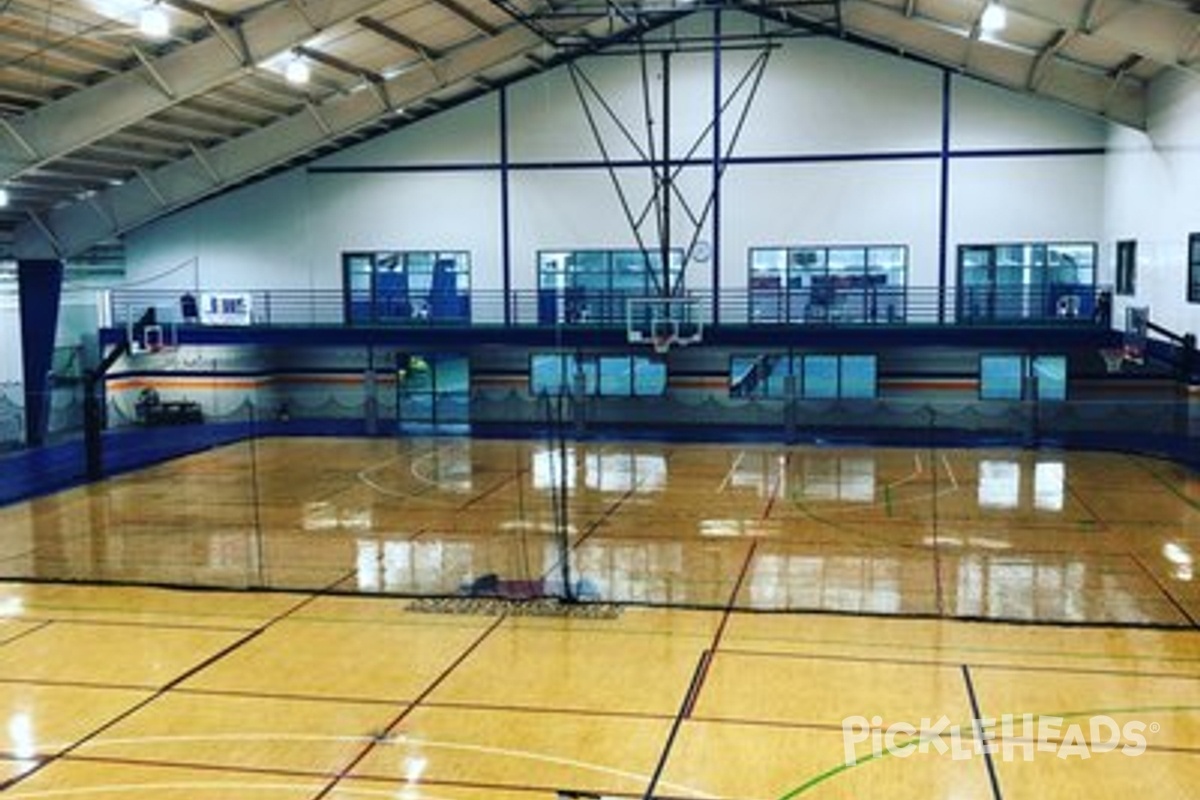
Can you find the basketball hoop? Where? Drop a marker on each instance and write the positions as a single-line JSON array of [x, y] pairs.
[[1114, 359], [662, 343], [664, 322]]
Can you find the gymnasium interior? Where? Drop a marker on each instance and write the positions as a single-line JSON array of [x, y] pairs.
[[589, 399]]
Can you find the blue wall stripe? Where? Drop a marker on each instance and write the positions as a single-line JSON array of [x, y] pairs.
[[941, 154]]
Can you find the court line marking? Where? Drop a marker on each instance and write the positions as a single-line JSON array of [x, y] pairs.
[[870, 757], [155, 693], [399, 740], [737, 462], [889, 504], [978, 712]]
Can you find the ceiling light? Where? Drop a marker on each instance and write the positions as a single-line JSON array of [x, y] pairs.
[[3, 197], [297, 71], [994, 18], [154, 23]]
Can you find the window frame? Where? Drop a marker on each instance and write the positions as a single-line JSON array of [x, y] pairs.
[[796, 365], [420, 307], [1193, 274], [777, 296], [1125, 273], [1028, 388], [590, 365]]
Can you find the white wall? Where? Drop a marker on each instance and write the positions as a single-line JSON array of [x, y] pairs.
[[1152, 195], [10, 335], [438, 184]]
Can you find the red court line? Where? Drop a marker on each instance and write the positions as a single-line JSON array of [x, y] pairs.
[[957, 663], [155, 694], [116, 623], [200, 766], [387, 732]]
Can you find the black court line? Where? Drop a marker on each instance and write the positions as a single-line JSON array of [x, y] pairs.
[[987, 751], [395, 723], [708, 655], [1169, 486], [1165, 592], [519, 474], [155, 695], [35, 626], [689, 702]]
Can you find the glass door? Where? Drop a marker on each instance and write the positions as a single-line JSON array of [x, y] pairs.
[[432, 390]]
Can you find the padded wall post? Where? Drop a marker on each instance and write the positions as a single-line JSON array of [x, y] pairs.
[[39, 286]]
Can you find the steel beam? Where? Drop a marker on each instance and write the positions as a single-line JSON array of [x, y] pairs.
[[58, 128], [76, 227]]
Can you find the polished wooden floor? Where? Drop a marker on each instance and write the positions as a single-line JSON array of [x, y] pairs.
[[1007, 535], [126, 692], [324, 689]]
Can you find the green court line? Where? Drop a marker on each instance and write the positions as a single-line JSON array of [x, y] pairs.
[[887, 499], [833, 772], [826, 775]]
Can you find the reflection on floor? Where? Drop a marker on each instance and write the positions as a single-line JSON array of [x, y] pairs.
[[1042, 536], [127, 692]]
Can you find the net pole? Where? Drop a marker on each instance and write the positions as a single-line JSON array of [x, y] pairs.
[[564, 537]]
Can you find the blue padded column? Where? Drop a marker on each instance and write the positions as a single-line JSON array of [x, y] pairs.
[[39, 286]]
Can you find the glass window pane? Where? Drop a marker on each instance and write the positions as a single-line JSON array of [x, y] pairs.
[[546, 373], [1127, 267], [616, 378], [858, 376], [649, 376], [759, 375], [1050, 373], [847, 260], [583, 375], [1194, 268], [552, 268], [820, 376], [1000, 377]]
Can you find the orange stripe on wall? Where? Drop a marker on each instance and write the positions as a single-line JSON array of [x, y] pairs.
[[932, 384]]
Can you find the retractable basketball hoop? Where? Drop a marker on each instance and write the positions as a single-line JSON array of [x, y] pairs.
[[150, 338], [1133, 342], [664, 322]]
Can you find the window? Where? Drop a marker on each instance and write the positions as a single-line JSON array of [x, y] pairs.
[[603, 376], [1043, 377], [858, 376], [1001, 377], [1193, 294], [404, 287], [815, 377], [1126, 267], [828, 284], [1026, 280], [591, 286], [1049, 375]]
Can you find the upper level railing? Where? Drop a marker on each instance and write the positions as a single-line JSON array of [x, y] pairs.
[[919, 306]]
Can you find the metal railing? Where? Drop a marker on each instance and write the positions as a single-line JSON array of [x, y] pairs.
[[533, 308]]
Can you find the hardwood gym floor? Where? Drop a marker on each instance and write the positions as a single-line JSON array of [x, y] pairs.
[[322, 690]]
